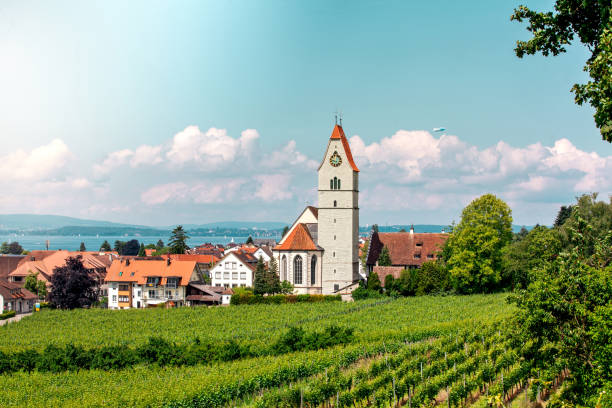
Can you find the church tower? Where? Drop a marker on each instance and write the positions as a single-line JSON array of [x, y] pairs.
[[338, 214]]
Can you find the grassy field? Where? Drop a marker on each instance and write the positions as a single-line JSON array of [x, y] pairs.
[[390, 329]]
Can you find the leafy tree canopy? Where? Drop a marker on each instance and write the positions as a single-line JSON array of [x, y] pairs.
[[72, 286], [36, 286], [13, 248], [384, 259], [141, 250], [249, 240], [131, 247], [160, 244], [591, 22], [475, 245], [374, 282]]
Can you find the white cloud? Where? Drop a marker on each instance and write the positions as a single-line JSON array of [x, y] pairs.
[[80, 183], [112, 161], [211, 149], [209, 192], [273, 187], [290, 156], [41, 163], [146, 154]]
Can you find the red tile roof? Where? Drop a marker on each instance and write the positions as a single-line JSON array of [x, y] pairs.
[[137, 270], [8, 263], [338, 133], [10, 290], [406, 248], [299, 239], [205, 259]]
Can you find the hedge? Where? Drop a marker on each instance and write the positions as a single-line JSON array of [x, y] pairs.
[[7, 314], [250, 299]]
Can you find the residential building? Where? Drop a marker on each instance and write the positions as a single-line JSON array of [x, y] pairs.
[[198, 294], [235, 269], [14, 297], [142, 282], [319, 253], [406, 249], [8, 263]]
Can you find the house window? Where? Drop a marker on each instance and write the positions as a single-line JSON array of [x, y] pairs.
[[430, 256], [169, 294], [124, 299], [417, 256], [153, 281], [226, 285], [152, 294], [123, 287], [233, 265], [297, 270], [284, 268], [336, 287], [235, 275], [120, 274], [139, 293], [419, 244], [172, 283], [226, 275], [243, 285], [313, 270], [242, 275], [217, 275], [114, 298], [234, 285]]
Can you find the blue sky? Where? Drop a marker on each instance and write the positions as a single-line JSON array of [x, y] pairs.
[[189, 112]]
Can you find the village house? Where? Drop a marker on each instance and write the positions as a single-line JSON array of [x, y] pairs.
[[235, 269], [8, 263], [44, 263], [139, 283], [14, 297], [198, 294], [407, 250]]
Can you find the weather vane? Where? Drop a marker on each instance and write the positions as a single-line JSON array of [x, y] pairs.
[[338, 117]]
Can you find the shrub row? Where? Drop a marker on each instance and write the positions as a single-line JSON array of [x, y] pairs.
[[250, 299], [7, 314], [164, 353]]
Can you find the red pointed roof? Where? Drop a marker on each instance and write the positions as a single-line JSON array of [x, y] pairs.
[[338, 133], [299, 239]]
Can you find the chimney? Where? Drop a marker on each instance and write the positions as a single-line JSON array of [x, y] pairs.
[[411, 229], [168, 261]]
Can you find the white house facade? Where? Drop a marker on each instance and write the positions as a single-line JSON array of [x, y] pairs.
[[233, 270]]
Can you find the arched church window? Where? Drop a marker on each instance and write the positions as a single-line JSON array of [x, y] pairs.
[[335, 183], [297, 270], [339, 184], [335, 203], [331, 184], [284, 268], [313, 270]]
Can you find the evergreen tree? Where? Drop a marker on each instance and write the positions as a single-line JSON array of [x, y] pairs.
[[159, 245], [82, 247], [141, 251], [249, 240], [178, 241], [273, 277], [375, 228], [384, 259], [72, 285], [260, 286], [285, 231], [564, 213], [374, 282], [119, 247], [105, 247], [389, 283]]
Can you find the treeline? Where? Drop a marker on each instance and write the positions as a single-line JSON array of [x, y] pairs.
[[164, 353]]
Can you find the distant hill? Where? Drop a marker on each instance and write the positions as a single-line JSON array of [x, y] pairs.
[[37, 222], [237, 225]]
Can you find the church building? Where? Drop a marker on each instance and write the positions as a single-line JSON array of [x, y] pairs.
[[320, 252]]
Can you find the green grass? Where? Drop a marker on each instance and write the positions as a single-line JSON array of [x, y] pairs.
[[375, 325]]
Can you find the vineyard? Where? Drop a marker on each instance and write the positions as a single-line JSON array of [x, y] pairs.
[[407, 352]]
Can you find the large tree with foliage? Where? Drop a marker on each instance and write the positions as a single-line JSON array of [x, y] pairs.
[[433, 278], [565, 316], [119, 247], [36, 286], [591, 22], [273, 280], [178, 241], [536, 250], [72, 285], [476, 243], [13, 248], [260, 284], [82, 247], [131, 247], [374, 282]]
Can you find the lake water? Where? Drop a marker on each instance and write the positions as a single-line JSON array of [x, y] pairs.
[[92, 243]]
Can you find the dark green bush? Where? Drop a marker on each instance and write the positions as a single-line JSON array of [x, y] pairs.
[[7, 314]]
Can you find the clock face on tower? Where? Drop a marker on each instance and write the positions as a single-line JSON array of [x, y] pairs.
[[335, 159]]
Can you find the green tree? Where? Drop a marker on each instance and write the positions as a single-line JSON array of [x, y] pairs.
[[178, 241], [285, 231], [536, 250], [286, 288], [476, 244], [260, 285], [384, 259], [591, 22], [141, 250], [592, 214], [82, 247], [131, 247], [13, 248], [564, 213], [364, 252], [119, 246], [374, 282], [105, 247], [274, 282], [408, 282], [249, 240], [433, 277], [389, 283], [159, 245], [36, 286], [564, 316], [72, 285]]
